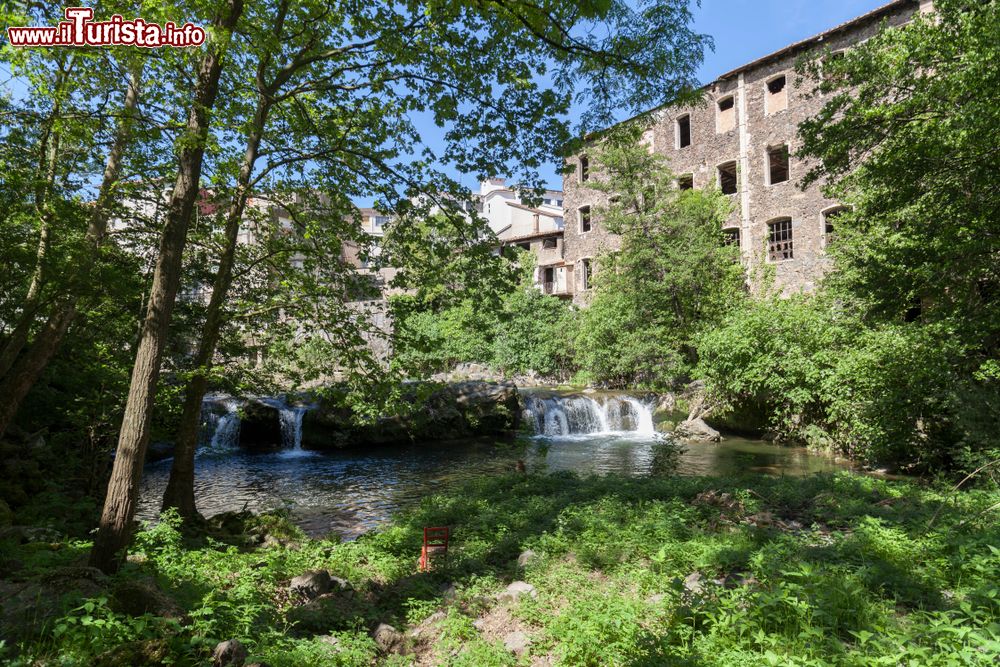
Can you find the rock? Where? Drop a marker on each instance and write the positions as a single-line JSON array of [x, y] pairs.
[[160, 450], [136, 597], [450, 412], [517, 643], [692, 583], [526, 557], [388, 638], [449, 591], [696, 430], [327, 613], [426, 626], [26, 608], [146, 653], [656, 599], [230, 653], [666, 403], [516, 590], [311, 585], [260, 426]]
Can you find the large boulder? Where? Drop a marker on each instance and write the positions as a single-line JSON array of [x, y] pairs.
[[28, 608], [696, 430], [260, 426], [136, 597], [431, 413]]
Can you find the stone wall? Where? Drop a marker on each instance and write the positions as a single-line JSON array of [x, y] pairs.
[[759, 125]]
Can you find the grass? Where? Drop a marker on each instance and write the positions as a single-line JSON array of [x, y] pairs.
[[835, 569]]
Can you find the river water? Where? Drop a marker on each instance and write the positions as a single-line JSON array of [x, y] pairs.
[[353, 491]]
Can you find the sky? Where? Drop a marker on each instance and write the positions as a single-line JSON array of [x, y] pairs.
[[745, 30]]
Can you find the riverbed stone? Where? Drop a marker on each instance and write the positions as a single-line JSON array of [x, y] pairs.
[[230, 653], [388, 639], [136, 597], [526, 557], [514, 592], [696, 430], [431, 413], [311, 585], [517, 643], [142, 653]]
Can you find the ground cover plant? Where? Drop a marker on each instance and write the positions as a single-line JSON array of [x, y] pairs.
[[837, 569]]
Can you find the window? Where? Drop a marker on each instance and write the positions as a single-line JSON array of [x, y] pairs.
[[727, 178], [779, 246], [829, 222], [731, 236], [777, 165], [685, 182], [585, 274], [549, 276], [777, 95], [584, 169], [727, 114], [524, 246], [549, 244], [585, 225], [684, 131]]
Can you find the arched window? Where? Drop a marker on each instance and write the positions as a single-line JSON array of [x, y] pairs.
[[830, 222]]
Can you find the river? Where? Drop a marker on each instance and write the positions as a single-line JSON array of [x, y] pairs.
[[351, 492]]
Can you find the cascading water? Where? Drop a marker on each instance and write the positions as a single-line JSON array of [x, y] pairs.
[[582, 415], [290, 417], [222, 421]]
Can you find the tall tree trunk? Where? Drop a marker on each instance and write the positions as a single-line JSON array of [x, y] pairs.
[[49, 154], [180, 487], [25, 373], [119, 506]]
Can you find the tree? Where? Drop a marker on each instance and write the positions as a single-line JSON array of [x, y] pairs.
[[119, 505], [672, 276], [908, 140]]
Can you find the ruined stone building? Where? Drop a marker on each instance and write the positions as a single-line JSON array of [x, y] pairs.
[[741, 138]]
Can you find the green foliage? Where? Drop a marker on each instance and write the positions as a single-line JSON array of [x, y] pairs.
[[846, 571], [672, 276], [509, 326]]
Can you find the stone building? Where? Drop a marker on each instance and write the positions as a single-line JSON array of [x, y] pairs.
[[741, 137]]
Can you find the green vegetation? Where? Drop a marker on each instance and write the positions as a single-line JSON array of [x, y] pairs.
[[824, 570]]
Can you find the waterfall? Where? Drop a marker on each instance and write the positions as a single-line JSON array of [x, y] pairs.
[[290, 417], [223, 429], [580, 415]]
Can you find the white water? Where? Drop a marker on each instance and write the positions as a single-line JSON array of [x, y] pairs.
[[556, 416], [224, 429]]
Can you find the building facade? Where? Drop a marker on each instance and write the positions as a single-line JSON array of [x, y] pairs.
[[742, 138]]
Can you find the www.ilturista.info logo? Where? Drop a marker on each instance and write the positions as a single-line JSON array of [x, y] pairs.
[[79, 29]]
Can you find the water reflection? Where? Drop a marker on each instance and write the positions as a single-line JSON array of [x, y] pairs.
[[349, 493]]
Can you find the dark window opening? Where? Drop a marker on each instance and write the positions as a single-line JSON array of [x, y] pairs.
[[779, 245], [775, 86], [685, 182], [585, 274], [777, 163], [584, 168], [727, 104], [585, 225], [524, 246], [731, 237], [550, 275], [727, 178], [549, 244], [684, 131], [829, 223]]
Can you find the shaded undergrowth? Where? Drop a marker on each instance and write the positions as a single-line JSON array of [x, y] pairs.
[[823, 570]]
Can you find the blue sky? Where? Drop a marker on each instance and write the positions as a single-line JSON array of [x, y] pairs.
[[745, 30]]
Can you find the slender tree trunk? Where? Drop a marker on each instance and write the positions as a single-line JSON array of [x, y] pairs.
[[29, 307], [180, 487], [25, 373], [119, 506]]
